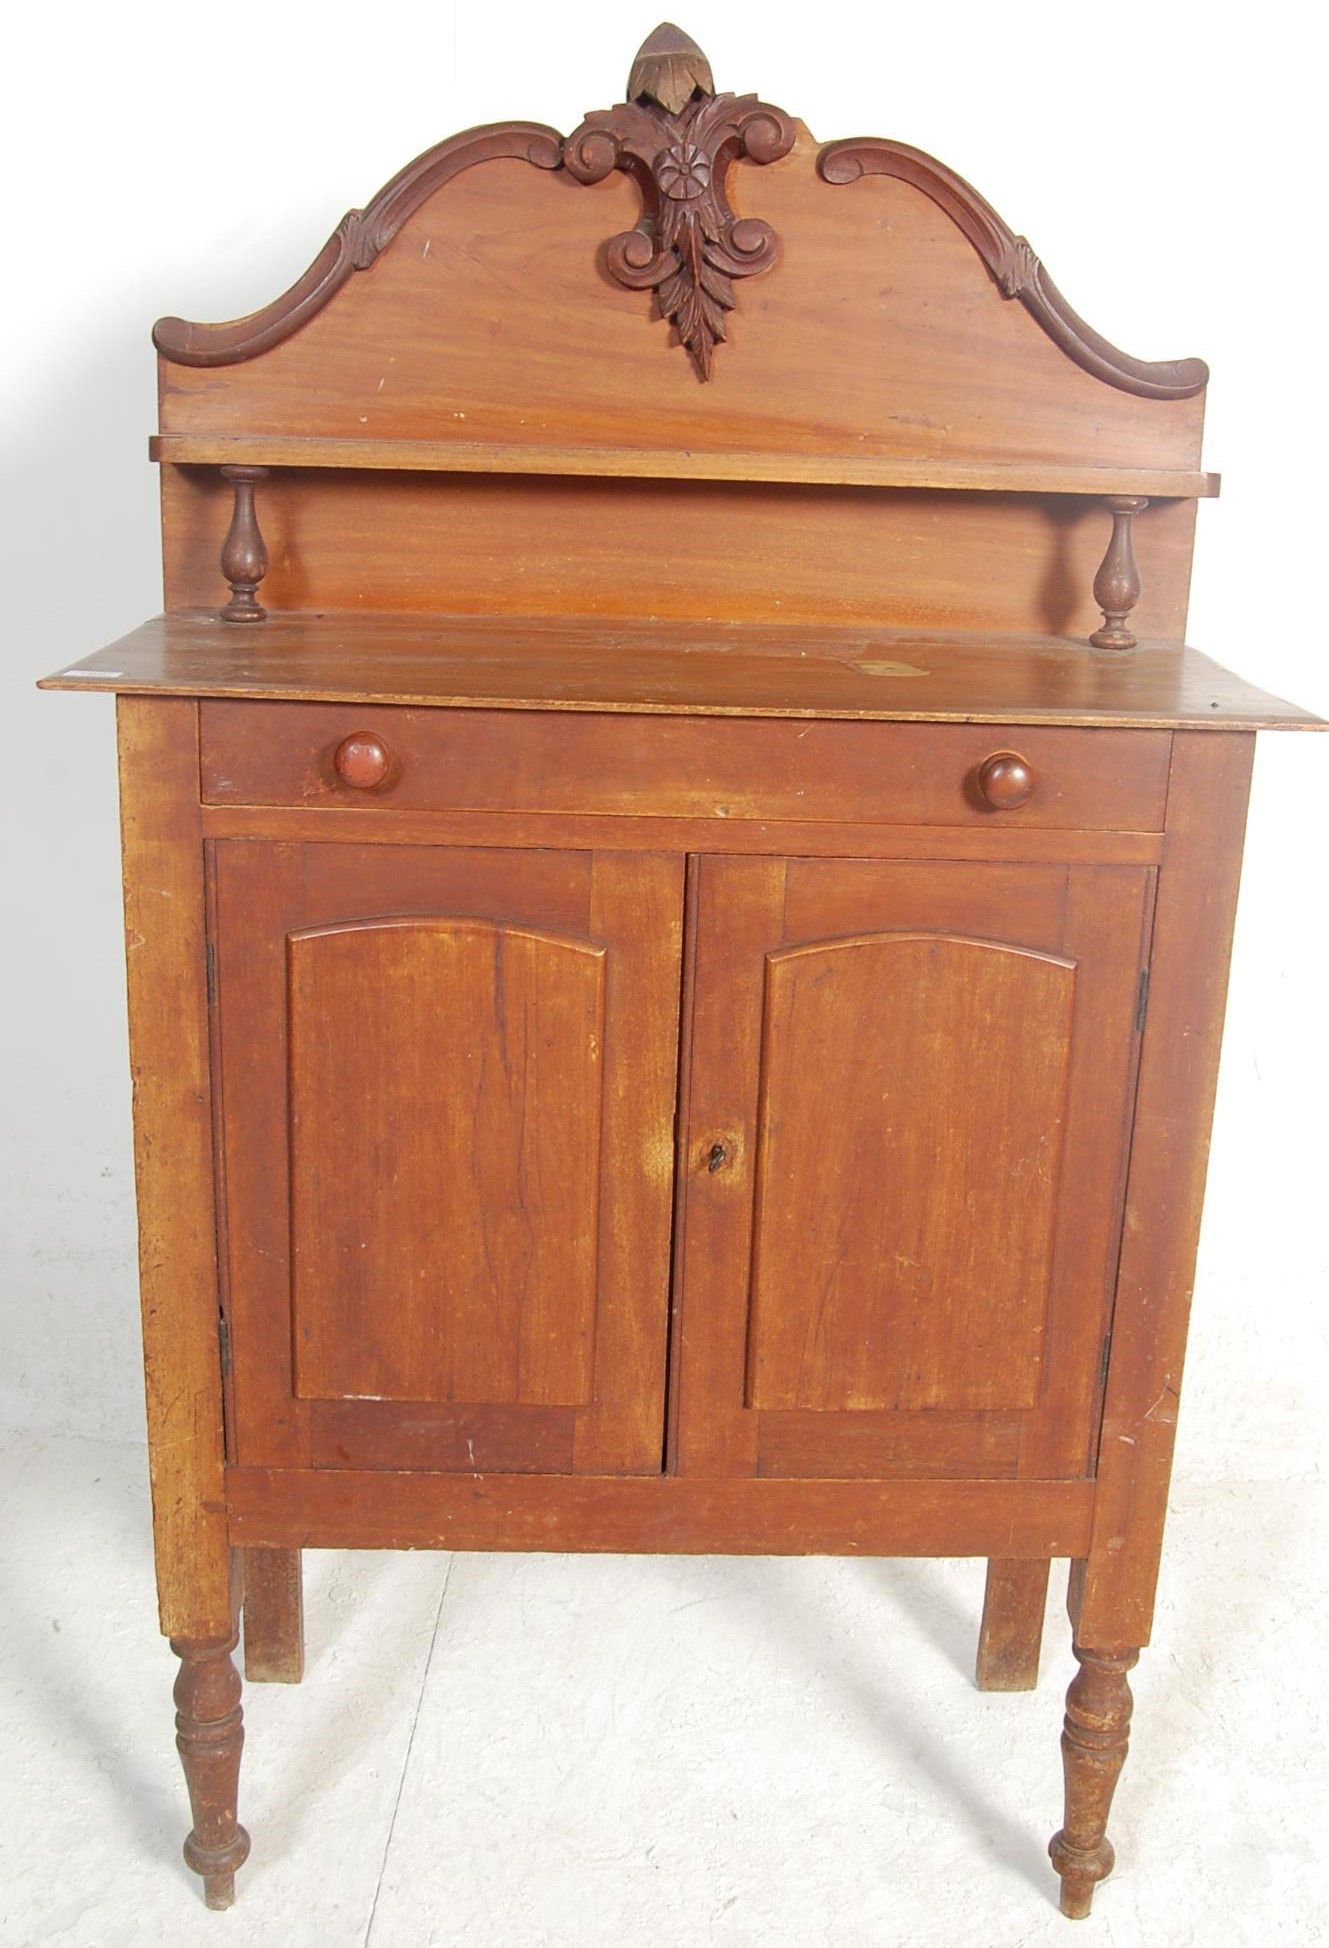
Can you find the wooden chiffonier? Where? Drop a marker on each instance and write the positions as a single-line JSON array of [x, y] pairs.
[[676, 972]]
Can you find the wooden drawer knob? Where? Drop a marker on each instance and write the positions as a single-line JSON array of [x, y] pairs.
[[362, 760], [1005, 780]]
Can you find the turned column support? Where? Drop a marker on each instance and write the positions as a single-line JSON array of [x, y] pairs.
[[244, 555], [1117, 584], [209, 1725], [1094, 1742]]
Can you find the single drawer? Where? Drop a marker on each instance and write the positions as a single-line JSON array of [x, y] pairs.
[[684, 767]]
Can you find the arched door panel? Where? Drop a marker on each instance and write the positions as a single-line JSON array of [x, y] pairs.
[[449, 1084], [918, 1077]]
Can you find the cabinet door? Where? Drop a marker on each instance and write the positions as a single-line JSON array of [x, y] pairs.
[[908, 1095], [447, 1087]]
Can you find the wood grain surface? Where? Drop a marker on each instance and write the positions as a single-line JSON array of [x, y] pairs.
[[543, 761], [1010, 1636], [455, 1198], [870, 1291], [1112, 1593], [760, 551], [562, 662], [173, 1162], [445, 1137], [901, 1235], [341, 1508], [879, 331], [675, 463], [274, 1616]]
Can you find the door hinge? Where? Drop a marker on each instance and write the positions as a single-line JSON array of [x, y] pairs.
[[224, 1344], [210, 965], [1142, 1001]]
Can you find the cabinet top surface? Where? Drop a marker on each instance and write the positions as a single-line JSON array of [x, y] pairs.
[[680, 669]]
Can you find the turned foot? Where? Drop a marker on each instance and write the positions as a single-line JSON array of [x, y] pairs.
[[209, 1734], [274, 1617], [1011, 1634], [1093, 1751]]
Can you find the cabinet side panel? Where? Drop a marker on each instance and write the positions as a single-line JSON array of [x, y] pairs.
[[173, 1158], [1112, 1594], [909, 1153]]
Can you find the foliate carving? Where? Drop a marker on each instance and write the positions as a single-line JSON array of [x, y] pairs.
[[676, 138], [1015, 269]]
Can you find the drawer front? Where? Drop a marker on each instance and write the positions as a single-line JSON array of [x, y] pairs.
[[684, 767]]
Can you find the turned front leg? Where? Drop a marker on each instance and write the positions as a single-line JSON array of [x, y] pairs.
[[209, 1727], [1093, 1750]]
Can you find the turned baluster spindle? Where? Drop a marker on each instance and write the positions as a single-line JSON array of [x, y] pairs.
[[1117, 584], [244, 555], [1094, 1741], [209, 1725]]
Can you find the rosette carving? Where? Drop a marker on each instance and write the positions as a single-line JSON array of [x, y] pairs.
[[676, 138]]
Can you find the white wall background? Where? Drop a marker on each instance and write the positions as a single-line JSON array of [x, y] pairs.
[[1164, 160]]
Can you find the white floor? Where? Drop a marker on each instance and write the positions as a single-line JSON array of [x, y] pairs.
[[563, 1752]]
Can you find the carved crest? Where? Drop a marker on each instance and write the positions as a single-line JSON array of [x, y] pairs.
[[676, 138]]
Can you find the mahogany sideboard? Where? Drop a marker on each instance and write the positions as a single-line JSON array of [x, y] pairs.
[[678, 911]]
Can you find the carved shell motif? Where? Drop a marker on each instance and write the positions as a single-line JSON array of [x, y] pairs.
[[676, 138]]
